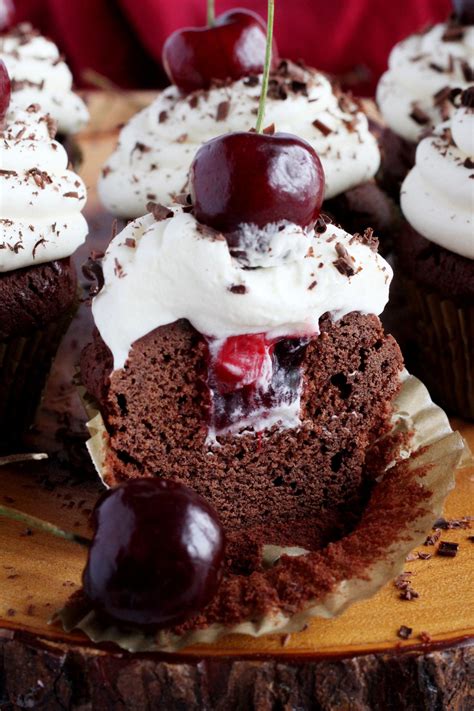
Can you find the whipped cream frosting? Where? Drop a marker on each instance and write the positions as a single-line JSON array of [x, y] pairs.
[[410, 94], [40, 199], [437, 196], [156, 272], [156, 148], [40, 76]]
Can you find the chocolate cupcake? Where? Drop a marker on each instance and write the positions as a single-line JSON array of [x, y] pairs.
[[40, 227], [39, 75], [413, 95], [436, 257], [157, 146]]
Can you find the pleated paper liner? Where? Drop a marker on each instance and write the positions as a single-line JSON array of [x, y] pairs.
[[406, 500], [443, 334], [25, 363]]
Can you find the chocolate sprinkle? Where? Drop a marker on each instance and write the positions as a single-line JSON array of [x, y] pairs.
[[404, 632], [447, 549], [453, 33]]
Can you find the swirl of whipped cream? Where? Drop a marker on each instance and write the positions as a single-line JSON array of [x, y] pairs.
[[40, 199], [156, 148], [410, 94], [437, 196], [156, 272], [40, 76]]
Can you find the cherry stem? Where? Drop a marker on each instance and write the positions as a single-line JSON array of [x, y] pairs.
[[211, 13], [43, 526], [266, 68]]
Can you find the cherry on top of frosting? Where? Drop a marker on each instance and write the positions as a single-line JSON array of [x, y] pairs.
[[5, 90], [231, 48], [464, 11], [256, 178], [157, 553]]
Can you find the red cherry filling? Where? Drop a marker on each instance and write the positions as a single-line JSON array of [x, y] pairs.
[[157, 553], [256, 179], [232, 48], [464, 11], [251, 376], [5, 91], [241, 361]]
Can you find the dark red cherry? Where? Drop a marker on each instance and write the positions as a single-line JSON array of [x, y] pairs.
[[256, 178], [7, 12], [241, 361], [464, 11], [5, 90], [232, 48], [157, 553]]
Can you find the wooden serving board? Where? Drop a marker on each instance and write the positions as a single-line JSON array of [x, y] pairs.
[[356, 661]]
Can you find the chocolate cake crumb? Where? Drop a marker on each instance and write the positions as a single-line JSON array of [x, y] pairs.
[[269, 130], [404, 632], [223, 109], [159, 212], [471, 539], [448, 549], [419, 116], [425, 637]]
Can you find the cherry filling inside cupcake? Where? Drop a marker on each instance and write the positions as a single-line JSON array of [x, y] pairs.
[[254, 382]]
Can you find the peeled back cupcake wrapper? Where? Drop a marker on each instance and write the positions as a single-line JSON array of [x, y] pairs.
[[434, 455]]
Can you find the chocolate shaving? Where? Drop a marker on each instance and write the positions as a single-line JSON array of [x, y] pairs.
[[404, 632], [92, 271], [71, 194], [269, 130], [467, 98], [106, 171], [453, 523], [130, 242], [344, 263], [419, 116], [159, 212], [251, 80], [453, 33], [223, 109], [41, 178], [8, 173], [436, 67], [141, 147], [467, 71], [37, 244], [312, 285], [442, 95], [425, 637], [162, 116], [432, 539], [447, 549], [325, 130], [238, 289], [193, 100]]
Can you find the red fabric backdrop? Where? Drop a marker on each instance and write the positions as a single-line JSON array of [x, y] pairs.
[[122, 39]]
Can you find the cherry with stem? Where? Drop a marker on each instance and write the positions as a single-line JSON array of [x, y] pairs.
[[266, 70]]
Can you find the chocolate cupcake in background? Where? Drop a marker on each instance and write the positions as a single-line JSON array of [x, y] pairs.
[[41, 225], [157, 146], [435, 252], [39, 75], [413, 95]]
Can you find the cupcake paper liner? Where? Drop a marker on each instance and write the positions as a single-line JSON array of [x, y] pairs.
[[444, 347], [24, 367], [434, 453]]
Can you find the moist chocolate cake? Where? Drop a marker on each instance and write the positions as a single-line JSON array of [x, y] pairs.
[[302, 486]]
